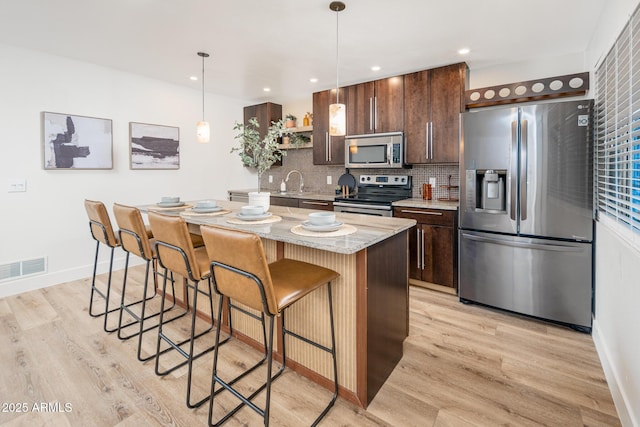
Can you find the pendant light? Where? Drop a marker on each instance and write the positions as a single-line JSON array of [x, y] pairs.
[[203, 132], [337, 111]]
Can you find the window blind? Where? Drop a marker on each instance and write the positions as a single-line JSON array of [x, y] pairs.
[[618, 128]]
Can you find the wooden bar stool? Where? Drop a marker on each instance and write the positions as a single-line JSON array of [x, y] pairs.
[[177, 254], [102, 233], [136, 239], [239, 271]]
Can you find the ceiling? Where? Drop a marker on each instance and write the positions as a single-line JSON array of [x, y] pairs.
[[281, 44]]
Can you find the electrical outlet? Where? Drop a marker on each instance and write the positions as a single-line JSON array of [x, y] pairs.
[[270, 179], [432, 181], [329, 180]]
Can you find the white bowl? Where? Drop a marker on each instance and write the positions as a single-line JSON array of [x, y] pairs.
[[206, 204], [170, 199], [322, 218], [252, 210]]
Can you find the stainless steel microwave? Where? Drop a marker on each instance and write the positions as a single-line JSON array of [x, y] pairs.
[[377, 150]]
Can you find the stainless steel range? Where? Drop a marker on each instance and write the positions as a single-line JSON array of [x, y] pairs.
[[375, 195]]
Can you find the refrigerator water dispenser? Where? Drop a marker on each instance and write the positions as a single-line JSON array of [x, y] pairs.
[[485, 190], [492, 191]]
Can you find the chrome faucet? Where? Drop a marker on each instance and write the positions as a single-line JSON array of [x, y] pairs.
[[301, 180]]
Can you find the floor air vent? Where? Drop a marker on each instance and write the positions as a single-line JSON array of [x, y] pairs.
[[28, 267]]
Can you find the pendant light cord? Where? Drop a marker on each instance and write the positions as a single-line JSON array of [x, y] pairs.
[[203, 88], [337, 56]]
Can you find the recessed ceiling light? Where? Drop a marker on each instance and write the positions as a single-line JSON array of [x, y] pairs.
[[194, 78], [313, 80], [464, 51], [267, 89], [375, 68]]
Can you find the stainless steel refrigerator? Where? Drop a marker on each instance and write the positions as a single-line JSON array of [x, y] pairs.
[[526, 210]]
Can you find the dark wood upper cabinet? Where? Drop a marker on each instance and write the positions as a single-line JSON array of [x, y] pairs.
[[375, 107], [327, 149], [433, 101], [265, 114], [426, 105]]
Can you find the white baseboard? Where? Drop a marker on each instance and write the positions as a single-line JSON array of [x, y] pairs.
[[618, 394]]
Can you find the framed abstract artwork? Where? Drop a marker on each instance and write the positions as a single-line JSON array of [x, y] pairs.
[[76, 142], [154, 146]]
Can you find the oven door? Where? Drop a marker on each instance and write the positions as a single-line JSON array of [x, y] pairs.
[[362, 208]]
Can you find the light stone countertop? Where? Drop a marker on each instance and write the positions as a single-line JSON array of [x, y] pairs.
[[426, 204], [291, 194], [408, 203], [371, 229]]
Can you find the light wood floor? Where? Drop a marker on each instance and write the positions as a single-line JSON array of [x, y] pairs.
[[464, 365]]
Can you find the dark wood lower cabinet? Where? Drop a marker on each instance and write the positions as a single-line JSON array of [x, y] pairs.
[[433, 248], [292, 202], [284, 201], [320, 205]]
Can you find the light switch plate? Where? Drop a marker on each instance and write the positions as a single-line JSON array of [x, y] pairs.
[[270, 179], [329, 180], [432, 181], [18, 185]]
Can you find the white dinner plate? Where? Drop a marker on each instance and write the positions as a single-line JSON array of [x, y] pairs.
[[170, 204], [253, 217], [206, 210], [325, 227]]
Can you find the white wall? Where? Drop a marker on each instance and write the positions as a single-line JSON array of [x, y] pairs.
[[536, 68], [49, 218], [616, 326]]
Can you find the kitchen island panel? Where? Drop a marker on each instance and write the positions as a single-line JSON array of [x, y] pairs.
[[310, 317]]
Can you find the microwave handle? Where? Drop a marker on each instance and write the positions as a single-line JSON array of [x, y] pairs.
[[389, 154]]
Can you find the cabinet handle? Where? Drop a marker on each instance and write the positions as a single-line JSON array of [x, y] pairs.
[[426, 140], [418, 247], [375, 111], [329, 149], [326, 146], [304, 202], [421, 212], [431, 138], [422, 232], [370, 113]]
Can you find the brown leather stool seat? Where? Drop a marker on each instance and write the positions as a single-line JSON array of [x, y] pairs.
[[176, 253], [239, 271]]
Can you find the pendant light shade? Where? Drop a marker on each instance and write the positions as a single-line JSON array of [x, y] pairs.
[[203, 131], [337, 119], [337, 111]]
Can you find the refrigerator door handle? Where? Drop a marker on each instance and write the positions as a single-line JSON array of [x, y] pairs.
[[513, 169], [523, 169], [558, 247]]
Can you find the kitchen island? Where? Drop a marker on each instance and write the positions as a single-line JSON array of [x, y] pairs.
[[370, 297]]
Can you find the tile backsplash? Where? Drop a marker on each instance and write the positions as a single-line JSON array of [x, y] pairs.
[[315, 176]]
